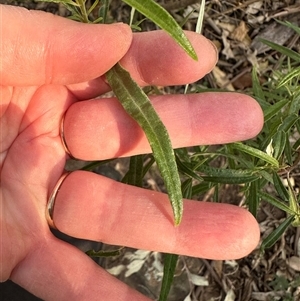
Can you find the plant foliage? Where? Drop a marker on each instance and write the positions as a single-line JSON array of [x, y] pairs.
[[255, 166]]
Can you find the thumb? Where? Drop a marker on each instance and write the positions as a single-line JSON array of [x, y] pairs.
[[40, 48]]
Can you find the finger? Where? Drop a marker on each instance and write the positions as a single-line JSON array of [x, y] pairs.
[[56, 50], [97, 208], [101, 129], [154, 58], [55, 270]]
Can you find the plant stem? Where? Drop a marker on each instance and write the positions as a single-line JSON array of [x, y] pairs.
[[85, 17]]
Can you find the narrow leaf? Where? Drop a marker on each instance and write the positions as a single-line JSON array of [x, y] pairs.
[[227, 176], [253, 199], [295, 104], [274, 109], [288, 122], [284, 50], [103, 11], [280, 188], [291, 75], [291, 25], [134, 176], [257, 89], [187, 188], [202, 188], [102, 253], [170, 262], [275, 202], [94, 164], [148, 165], [70, 2], [139, 107], [93, 6], [186, 170], [256, 153], [242, 179], [278, 143], [288, 151], [164, 20], [294, 205], [271, 239]]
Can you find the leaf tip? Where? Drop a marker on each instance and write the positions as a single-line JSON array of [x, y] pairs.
[[194, 55], [177, 218]]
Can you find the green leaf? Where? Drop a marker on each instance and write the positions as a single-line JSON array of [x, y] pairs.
[[253, 199], [284, 50], [230, 180], [257, 86], [287, 78], [288, 122], [274, 109], [295, 104], [148, 165], [216, 194], [93, 6], [94, 164], [280, 188], [291, 25], [265, 177], [186, 170], [102, 253], [296, 144], [278, 143], [164, 20], [139, 107], [70, 2], [227, 176], [183, 154], [202, 188], [103, 11], [134, 176], [256, 153], [170, 263], [275, 202], [187, 188], [288, 151], [170, 260], [294, 204], [271, 239]]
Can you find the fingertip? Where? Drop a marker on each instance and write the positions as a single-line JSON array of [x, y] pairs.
[[217, 231], [225, 117], [251, 120], [247, 235], [252, 237], [154, 58], [207, 53]]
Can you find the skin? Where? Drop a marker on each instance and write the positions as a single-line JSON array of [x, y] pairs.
[[47, 65]]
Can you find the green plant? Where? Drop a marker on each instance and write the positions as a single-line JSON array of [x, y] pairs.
[[272, 156], [138, 106], [282, 285], [133, 98], [251, 166]]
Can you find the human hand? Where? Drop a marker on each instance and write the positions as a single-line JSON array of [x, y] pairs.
[[48, 65]]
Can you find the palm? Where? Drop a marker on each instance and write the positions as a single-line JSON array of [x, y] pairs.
[[32, 161]]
